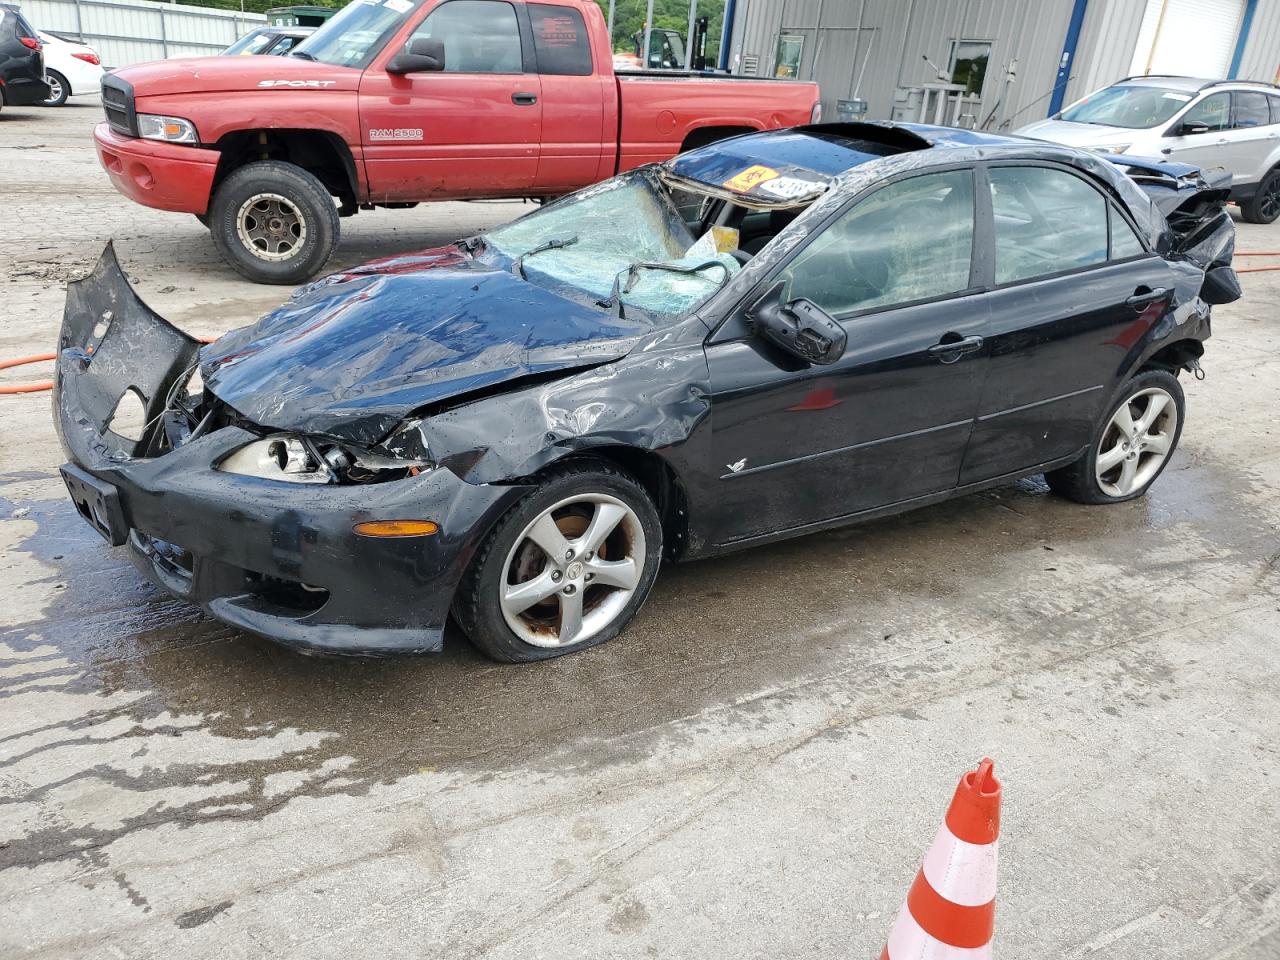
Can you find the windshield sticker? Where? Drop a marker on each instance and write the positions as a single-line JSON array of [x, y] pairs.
[[399, 6], [789, 188], [751, 177], [1180, 97]]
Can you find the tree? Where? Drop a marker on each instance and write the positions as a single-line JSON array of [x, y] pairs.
[[628, 21]]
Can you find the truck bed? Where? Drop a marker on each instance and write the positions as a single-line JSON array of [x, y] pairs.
[[659, 110]]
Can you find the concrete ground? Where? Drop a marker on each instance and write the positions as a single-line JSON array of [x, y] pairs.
[[755, 769]]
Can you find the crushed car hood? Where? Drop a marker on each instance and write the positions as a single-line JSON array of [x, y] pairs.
[[353, 355]]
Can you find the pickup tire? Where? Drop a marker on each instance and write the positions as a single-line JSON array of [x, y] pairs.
[[274, 222]]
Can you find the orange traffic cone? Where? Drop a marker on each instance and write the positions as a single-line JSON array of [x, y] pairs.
[[950, 911]]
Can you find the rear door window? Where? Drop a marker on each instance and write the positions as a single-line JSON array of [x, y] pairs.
[[1046, 221], [1250, 108], [560, 40]]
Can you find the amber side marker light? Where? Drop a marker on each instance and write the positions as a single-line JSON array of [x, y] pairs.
[[397, 528]]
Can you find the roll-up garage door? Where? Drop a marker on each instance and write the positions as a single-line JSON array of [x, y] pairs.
[[1192, 38]]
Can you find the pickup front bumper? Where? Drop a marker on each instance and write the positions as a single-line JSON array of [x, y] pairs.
[[167, 176], [278, 559]]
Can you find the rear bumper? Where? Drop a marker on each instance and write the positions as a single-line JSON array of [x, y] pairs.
[[25, 91], [278, 559], [167, 176]]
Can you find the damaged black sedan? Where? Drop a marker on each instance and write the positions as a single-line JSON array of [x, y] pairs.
[[772, 335]]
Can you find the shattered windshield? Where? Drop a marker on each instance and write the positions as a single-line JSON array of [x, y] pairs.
[[1134, 108], [624, 245], [353, 36]]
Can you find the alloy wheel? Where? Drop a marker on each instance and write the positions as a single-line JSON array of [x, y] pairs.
[[572, 570], [55, 89], [271, 227], [1136, 442], [1270, 205]]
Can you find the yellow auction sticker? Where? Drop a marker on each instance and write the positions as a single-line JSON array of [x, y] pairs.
[[750, 177]]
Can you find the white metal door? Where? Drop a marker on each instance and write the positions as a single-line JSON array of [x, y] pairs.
[[1190, 38]]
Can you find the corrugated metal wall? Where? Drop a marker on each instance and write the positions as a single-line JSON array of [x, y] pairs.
[[130, 31], [1261, 60], [1106, 45], [897, 34]]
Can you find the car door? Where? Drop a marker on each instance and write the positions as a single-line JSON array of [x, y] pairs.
[[1207, 149], [1252, 136], [798, 444], [576, 139], [472, 129], [1074, 292]]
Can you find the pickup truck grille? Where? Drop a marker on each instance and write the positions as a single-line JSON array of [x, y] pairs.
[[117, 104]]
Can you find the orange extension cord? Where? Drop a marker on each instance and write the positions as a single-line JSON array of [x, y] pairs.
[[40, 385]]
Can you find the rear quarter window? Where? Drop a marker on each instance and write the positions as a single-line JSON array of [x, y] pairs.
[[560, 40]]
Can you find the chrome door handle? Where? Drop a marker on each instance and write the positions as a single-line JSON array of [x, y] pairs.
[[1141, 297], [949, 351]]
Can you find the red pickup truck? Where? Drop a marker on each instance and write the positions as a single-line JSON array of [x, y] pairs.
[[395, 102]]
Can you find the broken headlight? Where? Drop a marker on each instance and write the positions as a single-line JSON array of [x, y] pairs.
[[298, 459]]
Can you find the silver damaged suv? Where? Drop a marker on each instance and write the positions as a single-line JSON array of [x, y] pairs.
[[1209, 123]]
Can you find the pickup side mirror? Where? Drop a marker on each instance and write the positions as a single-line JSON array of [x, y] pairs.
[[1192, 128], [801, 327], [424, 55]]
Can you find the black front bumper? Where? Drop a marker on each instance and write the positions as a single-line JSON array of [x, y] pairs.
[[278, 559]]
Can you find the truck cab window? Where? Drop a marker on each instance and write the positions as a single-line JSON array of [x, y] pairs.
[[560, 40], [479, 36]]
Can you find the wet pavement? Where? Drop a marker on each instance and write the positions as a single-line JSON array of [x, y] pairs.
[[755, 768]]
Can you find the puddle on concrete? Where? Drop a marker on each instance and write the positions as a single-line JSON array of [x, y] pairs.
[[182, 719]]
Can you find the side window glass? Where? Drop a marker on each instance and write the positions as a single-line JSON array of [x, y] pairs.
[[1046, 221], [911, 240], [1124, 242], [1251, 109], [284, 46], [560, 40], [1213, 111], [1275, 108], [480, 36]]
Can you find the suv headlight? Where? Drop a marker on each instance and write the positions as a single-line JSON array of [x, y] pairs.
[[1113, 148], [297, 459], [168, 129]]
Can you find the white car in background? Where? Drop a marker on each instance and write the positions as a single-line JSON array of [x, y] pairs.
[[1207, 123], [71, 69]]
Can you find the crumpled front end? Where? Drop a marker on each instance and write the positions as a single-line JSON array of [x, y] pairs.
[[278, 557]]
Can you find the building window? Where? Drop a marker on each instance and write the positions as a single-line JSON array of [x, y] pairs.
[[790, 49], [969, 63]]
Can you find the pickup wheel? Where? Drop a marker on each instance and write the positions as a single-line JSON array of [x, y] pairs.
[[274, 222]]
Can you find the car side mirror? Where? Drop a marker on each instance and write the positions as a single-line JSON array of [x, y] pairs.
[[424, 55], [800, 327], [1192, 128], [1221, 285]]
